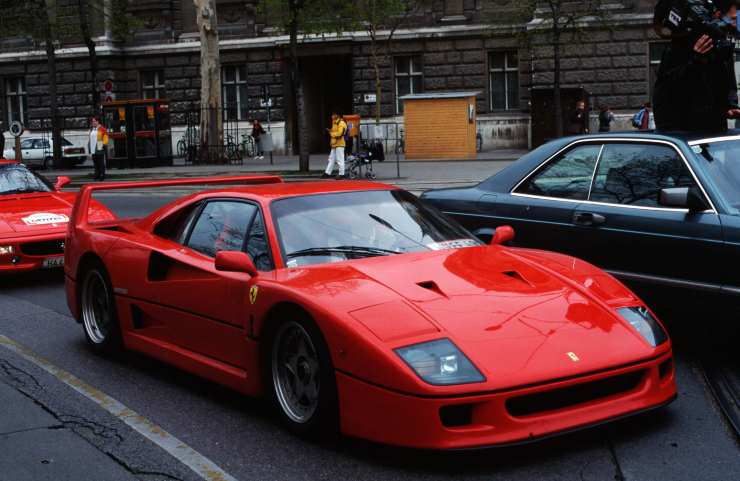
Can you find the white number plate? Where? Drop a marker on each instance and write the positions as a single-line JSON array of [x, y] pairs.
[[52, 262]]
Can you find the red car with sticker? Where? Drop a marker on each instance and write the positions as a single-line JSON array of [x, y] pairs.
[[34, 215], [355, 307]]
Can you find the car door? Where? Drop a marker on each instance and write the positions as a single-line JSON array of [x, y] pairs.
[[207, 310], [29, 150], [541, 207], [628, 232]]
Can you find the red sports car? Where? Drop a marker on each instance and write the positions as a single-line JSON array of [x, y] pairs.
[[356, 307], [33, 219]]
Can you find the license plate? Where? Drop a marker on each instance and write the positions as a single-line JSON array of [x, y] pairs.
[[52, 262]]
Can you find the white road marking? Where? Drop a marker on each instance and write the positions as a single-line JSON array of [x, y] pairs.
[[202, 466]]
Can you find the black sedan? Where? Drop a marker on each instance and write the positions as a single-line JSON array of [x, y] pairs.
[[657, 209]]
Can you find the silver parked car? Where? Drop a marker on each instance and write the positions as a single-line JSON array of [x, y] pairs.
[[39, 152]]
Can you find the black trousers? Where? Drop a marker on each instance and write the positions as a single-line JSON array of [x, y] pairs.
[[99, 164]]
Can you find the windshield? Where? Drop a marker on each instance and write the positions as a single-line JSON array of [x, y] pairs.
[[17, 179], [326, 228], [723, 163]]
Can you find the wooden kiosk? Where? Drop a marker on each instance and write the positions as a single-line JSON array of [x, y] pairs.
[[440, 125]]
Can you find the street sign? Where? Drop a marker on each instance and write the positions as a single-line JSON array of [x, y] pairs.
[[16, 128], [264, 104], [370, 98]]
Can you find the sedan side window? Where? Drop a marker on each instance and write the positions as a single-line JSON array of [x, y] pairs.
[[633, 174], [568, 177], [27, 144], [221, 226]]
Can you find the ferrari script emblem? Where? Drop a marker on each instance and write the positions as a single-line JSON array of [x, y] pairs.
[[253, 294], [573, 357]]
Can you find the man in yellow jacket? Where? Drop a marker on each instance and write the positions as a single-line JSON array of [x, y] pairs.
[[336, 135]]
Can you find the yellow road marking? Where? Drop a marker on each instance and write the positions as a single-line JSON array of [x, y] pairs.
[[202, 466]]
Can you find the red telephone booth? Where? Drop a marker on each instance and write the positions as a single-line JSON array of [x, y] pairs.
[[139, 133]]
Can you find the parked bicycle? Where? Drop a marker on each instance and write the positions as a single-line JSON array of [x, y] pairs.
[[231, 149], [360, 165], [247, 147]]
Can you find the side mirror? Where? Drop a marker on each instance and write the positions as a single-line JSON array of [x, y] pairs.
[[62, 181], [503, 234], [684, 198], [235, 261]]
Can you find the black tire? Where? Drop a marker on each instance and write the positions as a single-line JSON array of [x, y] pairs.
[[47, 162], [323, 420], [98, 311]]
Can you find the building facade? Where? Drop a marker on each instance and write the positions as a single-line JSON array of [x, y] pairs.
[[453, 45]]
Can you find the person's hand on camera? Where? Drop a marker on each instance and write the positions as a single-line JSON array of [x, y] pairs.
[[703, 45], [733, 113]]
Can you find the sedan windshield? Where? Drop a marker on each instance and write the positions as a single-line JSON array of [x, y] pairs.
[[326, 228], [723, 163], [17, 179]]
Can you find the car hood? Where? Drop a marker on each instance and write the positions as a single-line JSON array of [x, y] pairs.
[[519, 321], [35, 213]]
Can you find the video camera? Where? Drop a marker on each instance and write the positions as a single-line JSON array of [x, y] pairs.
[[694, 18]]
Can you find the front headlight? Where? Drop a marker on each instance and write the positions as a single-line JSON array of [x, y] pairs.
[[440, 363], [644, 323], [6, 250]]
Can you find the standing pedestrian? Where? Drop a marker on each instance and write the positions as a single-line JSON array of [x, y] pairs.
[[579, 119], [337, 144], [98, 141], [257, 132], [642, 120], [606, 117]]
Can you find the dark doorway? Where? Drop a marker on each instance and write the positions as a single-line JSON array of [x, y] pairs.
[[543, 124], [328, 87]]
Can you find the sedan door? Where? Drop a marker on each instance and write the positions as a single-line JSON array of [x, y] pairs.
[[541, 207], [629, 233]]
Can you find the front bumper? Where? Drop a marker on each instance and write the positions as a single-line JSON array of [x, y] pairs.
[[31, 253], [378, 414]]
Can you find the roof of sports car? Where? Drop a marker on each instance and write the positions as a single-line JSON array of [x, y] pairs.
[[295, 189]]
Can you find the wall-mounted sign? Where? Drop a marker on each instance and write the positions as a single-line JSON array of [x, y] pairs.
[[16, 128], [370, 98]]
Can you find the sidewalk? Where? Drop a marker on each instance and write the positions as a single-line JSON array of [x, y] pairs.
[[35, 446], [287, 166]]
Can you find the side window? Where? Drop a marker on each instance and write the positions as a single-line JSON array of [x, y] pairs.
[[633, 174], [568, 177], [175, 227], [27, 144], [257, 246], [221, 226]]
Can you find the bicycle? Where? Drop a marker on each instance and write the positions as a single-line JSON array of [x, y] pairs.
[[356, 163], [247, 147], [231, 149]]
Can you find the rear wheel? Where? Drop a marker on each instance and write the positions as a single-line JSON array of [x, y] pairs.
[[46, 163], [99, 316], [303, 380]]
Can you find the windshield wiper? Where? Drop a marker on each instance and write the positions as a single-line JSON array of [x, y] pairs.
[[388, 225], [323, 251]]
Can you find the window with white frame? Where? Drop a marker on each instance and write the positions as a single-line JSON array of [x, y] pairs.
[[409, 78], [234, 92], [15, 95], [152, 84], [503, 72]]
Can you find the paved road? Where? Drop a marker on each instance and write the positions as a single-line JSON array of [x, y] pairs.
[[687, 441]]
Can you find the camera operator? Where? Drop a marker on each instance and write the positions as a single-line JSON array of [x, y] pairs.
[[696, 89]]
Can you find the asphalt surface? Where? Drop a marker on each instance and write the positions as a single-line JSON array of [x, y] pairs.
[[688, 440]]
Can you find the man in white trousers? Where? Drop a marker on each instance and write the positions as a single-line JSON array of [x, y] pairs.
[[336, 135]]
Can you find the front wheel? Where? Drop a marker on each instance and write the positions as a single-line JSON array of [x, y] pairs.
[[303, 380], [99, 316]]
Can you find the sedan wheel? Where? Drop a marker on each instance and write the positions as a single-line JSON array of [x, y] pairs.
[[99, 318], [303, 378]]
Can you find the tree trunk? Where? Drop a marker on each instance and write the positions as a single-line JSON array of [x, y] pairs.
[[211, 122], [296, 81], [84, 9], [56, 134], [557, 100], [378, 89]]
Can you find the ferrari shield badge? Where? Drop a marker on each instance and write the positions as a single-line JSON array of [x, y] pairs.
[[573, 357], [253, 292]]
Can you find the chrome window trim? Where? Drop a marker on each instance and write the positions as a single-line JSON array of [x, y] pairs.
[[596, 169], [713, 140], [604, 140]]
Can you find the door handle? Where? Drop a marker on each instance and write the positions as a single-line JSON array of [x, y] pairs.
[[588, 219]]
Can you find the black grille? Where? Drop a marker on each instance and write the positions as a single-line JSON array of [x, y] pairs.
[[44, 248], [573, 395]]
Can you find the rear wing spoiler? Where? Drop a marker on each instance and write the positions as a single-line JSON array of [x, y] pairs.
[[80, 211]]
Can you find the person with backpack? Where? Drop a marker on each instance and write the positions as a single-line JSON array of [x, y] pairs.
[[257, 132], [606, 117], [642, 119], [337, 134]]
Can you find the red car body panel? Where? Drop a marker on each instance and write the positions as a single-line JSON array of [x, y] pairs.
[[531, 321]]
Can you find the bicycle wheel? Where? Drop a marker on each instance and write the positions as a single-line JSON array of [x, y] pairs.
[[249, 146], [231, 151]]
